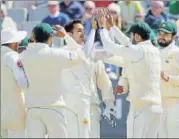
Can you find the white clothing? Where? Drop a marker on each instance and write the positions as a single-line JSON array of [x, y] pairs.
[[143, 56], [142, 67], [143, 123], [84, 80], [170, 92], [42, 59], [13, 112], [95, 116], [43, 66], [8, 23], [46, 120]]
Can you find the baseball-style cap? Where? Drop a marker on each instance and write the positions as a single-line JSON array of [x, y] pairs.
[[141, 28], [41, 30], [168, 27], [24, 43]]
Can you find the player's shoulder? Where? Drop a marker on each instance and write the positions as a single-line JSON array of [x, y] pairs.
[[175, 52]]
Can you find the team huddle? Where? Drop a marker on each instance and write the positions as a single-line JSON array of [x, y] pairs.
[[53, 92]]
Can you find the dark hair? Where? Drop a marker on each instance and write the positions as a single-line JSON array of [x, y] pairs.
[[144, 35], [39, 38], [70, 25]]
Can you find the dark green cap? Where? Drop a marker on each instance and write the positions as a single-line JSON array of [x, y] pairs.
[[141, 28], [24, 43], [42, 30], [168, 27]]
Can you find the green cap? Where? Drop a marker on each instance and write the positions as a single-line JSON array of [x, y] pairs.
[[24, 43], [168, 27], [42, 29], [141, 28]]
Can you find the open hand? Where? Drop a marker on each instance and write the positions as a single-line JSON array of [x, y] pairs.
[[101, 18], [109, 18]]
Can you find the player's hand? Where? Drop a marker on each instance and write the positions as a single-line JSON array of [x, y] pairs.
[[119, 89], [164, 76], [93, 23], [101, 18], [60, 31], [109, 18]]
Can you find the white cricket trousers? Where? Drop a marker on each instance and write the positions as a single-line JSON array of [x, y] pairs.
[[48, 120], [12, 134], [95, 121], [77, 116], [169, 127], [143, 122]]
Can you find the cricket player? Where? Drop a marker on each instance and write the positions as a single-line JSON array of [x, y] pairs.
[[43, 97], [23, 45], [84, 80], [169, 80], [13, 79], [143, 71]]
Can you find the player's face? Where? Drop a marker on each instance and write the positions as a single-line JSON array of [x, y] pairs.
[[53, 9], [14, 46], [78, 34], [164, 39]]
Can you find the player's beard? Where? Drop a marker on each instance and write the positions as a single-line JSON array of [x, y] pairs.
[[167, 43]]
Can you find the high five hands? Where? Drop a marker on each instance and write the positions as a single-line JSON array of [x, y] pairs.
[[104, 18]]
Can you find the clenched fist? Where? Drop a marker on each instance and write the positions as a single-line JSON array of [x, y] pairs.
[[60, 31]]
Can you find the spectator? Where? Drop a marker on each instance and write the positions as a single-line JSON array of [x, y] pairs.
[[116, 11], [55, 17], [5, 20], [86, 19], [89, 7], [174, 7], [73, 9], [156, 15], [129, 11]]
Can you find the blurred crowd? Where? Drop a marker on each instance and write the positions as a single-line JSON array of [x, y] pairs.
[[60, 12]]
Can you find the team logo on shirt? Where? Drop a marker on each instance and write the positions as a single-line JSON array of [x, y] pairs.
[[164, 25], [85, 122], [19, 64], [170, 56]]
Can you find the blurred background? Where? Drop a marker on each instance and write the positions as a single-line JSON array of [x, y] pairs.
[[24, 15]]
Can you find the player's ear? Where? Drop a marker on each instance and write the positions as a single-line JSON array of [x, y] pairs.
[[174, 37]]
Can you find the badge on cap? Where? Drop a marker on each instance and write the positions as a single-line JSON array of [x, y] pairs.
[[164, 25]]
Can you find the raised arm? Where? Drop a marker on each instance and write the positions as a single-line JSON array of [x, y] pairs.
[[89, 45], [127, 52], [103, 82]]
